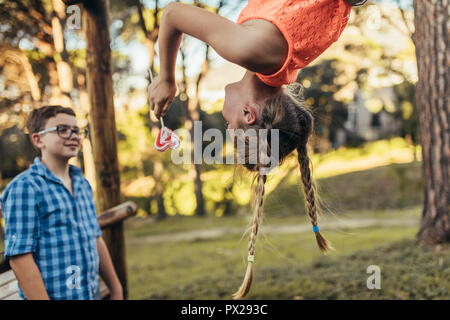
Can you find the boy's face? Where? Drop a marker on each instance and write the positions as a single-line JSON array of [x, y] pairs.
[[52, 144]]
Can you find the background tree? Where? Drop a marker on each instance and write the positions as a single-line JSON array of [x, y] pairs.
[[150, 37], [432, 41]]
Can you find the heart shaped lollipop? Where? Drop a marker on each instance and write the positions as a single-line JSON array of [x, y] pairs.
[[166, 139]]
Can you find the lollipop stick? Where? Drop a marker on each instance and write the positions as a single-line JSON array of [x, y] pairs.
[[150, 76], [151, 80]]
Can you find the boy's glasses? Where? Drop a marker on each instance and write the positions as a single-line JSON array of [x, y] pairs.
[[66, 132]]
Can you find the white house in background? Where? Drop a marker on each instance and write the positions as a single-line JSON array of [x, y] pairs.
[[368, 123]]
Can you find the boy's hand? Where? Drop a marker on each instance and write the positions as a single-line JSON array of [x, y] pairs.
[[161, 94]]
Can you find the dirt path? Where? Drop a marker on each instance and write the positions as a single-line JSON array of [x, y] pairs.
[[205, 234]]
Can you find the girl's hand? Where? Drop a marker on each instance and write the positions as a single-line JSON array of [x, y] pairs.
[[161, 94]]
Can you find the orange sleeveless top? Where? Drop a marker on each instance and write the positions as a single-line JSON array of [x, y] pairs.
[[309, 26]]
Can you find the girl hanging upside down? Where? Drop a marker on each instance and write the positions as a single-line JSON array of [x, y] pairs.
[[272, 40]]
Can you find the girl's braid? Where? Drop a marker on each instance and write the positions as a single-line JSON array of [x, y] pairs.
[[257, 213], [309, 191]]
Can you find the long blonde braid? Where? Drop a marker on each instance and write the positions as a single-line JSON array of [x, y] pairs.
[[257, 213], [309, 191]]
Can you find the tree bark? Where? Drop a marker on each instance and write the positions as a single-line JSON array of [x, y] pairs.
[[150, 40], [433, 59], [83, 111], [193, 115], [104, 134]]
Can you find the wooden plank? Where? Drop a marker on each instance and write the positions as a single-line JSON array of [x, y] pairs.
[[14, 296], [117, 214], [8, 289], [6, 277], [104, 291]]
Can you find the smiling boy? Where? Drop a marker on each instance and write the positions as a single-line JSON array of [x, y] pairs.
[[52, 237]]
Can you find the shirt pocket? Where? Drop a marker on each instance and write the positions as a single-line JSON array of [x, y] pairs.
[[54, 213]]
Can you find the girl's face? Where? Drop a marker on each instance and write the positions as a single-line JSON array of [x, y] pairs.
[[232, 105], [236, 108]]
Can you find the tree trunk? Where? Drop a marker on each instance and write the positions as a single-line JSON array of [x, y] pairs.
[[228, 199], [433, 59], [193, 115], [195, 169], [150, 40], [159, 189], [104, 133], [198, 184], [83, 112]]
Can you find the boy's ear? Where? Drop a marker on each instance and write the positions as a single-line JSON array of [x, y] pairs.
[[36, 140], [249, 114]]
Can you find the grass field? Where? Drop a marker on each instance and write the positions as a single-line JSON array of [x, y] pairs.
[[289, 265], [372, 200]]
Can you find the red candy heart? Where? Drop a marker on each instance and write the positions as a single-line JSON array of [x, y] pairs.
[[166, 139]]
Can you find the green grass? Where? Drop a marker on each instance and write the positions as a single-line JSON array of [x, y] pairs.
[[381, 188], [142, 227], [289, 265]]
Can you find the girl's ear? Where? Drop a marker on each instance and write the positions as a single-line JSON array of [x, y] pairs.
[[249, 114]]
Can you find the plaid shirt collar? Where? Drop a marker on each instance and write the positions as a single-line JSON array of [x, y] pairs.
[[41, 169]]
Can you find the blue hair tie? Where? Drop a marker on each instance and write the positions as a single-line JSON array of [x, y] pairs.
[[315, 228]]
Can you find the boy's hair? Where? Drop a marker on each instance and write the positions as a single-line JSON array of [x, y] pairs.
[[38, 118], [287, 112]]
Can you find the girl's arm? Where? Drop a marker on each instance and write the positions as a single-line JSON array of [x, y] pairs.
[[258, 49]]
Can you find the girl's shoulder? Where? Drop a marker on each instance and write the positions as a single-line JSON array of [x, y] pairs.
[[309, 27]]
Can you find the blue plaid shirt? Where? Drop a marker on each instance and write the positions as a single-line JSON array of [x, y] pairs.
[[42, 217]]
